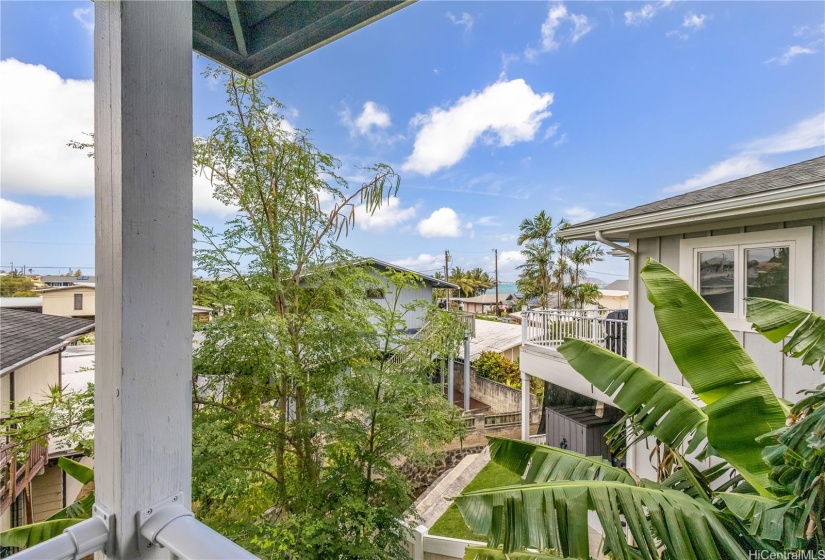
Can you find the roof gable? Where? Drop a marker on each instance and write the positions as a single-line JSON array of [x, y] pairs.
[[25, 335]]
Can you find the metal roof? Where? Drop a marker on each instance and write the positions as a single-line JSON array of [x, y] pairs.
[[26, 336], [255, 37], [807, 172], [436, 282], [492, 336]]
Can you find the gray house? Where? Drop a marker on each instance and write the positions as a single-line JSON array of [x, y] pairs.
[[762, 235]]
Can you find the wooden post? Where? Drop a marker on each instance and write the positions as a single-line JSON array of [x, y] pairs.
[[143, 234]]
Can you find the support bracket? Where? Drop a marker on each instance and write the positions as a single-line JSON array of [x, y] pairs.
[[151, 520]]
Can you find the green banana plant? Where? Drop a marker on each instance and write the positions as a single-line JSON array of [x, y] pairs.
[[30, 535], [781, 507]]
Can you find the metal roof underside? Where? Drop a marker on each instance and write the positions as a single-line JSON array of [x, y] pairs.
[[253, 37]]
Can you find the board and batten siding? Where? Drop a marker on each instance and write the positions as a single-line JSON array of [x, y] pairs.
[[415, 318], [787, 376], [61, 302]]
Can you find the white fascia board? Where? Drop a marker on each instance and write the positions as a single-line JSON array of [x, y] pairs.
[[811, 195]]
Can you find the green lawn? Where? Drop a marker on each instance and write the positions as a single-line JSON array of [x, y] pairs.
[[451, 524]]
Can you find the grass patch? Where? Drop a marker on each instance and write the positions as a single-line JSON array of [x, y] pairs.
[[451, 524]]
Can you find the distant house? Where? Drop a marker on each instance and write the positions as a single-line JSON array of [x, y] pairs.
[[486, 303], [614, 295], [63, 281], [70, 301], [30, 363]]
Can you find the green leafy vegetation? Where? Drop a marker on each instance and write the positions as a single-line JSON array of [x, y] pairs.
[[16, 285], [768, 494]]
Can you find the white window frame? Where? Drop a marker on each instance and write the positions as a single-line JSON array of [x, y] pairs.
[[800, 264]]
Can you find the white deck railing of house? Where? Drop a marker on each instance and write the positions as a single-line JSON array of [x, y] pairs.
[[547, 328]]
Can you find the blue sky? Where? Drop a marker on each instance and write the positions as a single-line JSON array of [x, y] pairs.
[[490, 112]]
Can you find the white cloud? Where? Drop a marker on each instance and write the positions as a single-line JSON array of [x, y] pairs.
[[562, 140], [390, 214], [557, 18], [423, 262], [488, 221], [578, 214], [443, 222], [510, 258], [646, 12], [466, 20], [204, 203], [41, 113], [805, 134], [86, 17], [373, 117], [726, 170], [15, 215], [790, 53], [694, 21], [506, 112]]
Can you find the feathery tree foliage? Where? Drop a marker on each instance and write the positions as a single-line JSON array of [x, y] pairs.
[[773, 456]]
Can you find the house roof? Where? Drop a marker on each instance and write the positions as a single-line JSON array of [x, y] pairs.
[[26, 336], [75, 279], [486, 298], [493, 336], [61, 288], [795, 186], [436, 282], [617, 285], [255, 37]]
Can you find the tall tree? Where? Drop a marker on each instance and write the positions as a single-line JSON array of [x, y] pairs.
[[580, 257], [536, 239], [301, 418]]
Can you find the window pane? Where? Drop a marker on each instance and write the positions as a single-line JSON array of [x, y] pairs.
[[716, 279], [768, 272]]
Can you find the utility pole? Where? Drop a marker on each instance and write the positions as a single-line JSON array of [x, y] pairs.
[[447, 276], [498, 311]]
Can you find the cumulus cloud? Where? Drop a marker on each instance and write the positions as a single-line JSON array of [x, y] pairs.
[[443, 222], [14, 215], [465, 20], [559, 26], [503, 113], [204, 203], [578, 214], [41, 112], [86, 17], [646, 12], [389, 215], [806, 134], [790, 53], [694, 21], [422, 262], [373, 117]]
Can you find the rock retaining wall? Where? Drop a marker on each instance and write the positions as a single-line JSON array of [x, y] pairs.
[[422, 476]]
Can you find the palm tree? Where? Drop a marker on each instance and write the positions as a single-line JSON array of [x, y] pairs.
[[775, 501], [480, 280], [537, 239], [582, 256]]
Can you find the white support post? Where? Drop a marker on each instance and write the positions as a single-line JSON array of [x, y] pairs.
[[525, 406], [466, 372], [143, 234]]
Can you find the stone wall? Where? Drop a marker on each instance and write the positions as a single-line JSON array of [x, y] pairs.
[[422, 476], [498, 396]]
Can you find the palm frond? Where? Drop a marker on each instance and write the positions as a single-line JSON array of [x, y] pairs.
[[777, 320]]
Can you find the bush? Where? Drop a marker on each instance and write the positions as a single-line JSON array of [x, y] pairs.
[[496, 367]]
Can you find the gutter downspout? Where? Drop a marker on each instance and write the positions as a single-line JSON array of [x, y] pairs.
[[633, 280]]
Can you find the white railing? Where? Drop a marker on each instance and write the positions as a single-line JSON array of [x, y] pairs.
[[547, 328]]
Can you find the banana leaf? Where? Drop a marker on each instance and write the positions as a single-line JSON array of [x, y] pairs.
[[740, 403], [764, 517], [552, 518], [77, 471], [36, 533], [540, 463], [776, 320], [654, 404], [482, 553]]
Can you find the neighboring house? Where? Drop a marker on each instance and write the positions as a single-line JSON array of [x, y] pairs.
[[762, 235], [423, 291], [70, 301], [493, 336], [30, 363], [62, 281], [486, 303], [23, 303]]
